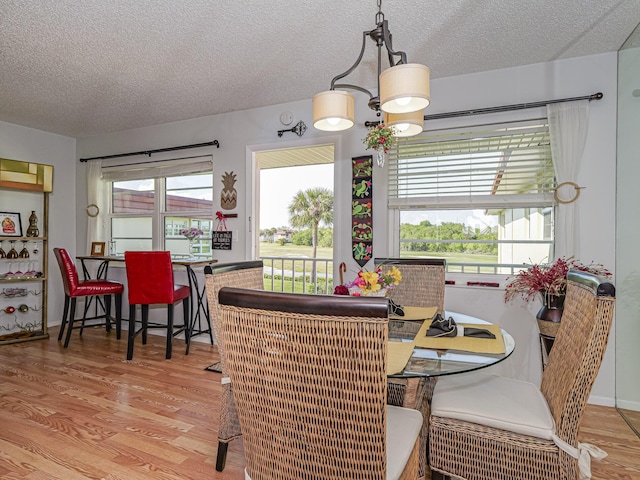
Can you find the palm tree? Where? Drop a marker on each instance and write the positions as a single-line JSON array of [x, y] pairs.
[[307, 210]]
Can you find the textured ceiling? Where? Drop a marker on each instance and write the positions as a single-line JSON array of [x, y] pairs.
[[82, 67]]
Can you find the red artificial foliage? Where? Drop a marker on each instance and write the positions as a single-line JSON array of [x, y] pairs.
[[547, 279], [341, 290]]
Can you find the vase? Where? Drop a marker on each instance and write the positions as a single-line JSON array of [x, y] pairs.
[[33, 231], [192, 248], [550, 314], [381, 157], [355, 291]]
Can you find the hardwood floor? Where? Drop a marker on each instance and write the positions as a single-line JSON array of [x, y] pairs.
[[86, 413]]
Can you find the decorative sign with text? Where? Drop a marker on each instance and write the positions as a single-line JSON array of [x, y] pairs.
[[221, 240]]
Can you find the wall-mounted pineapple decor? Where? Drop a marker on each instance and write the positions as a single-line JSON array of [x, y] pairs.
[[229, 195]]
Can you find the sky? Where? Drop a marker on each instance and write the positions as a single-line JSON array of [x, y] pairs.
[[278, 186], [471, 218]]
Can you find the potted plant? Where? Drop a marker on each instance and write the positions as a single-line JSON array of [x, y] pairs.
[[381, 139], [549, 283]]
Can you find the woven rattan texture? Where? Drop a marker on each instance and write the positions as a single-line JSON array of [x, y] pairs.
[[575, 359], [229, 427], [472, 451], [311, 393], [421, 286]]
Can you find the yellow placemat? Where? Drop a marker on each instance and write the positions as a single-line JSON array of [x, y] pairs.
[[398, 354], [416, 313], [468, 344]]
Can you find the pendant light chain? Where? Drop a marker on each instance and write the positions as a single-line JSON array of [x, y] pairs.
[[379, 15], [403, 89]]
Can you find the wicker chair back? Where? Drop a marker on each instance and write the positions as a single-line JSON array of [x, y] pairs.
[[422, 282], [247, 274], [310, 383]]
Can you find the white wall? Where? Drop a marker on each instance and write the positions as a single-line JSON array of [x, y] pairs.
[[241, 132], [29, 145]]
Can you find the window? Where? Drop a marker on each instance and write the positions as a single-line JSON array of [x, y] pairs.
[[481, 197], [291, 262], [149, 213]]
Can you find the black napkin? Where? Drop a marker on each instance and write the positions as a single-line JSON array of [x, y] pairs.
[[441, 327], [395, 309]]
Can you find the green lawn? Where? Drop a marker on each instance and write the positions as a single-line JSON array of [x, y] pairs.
[[298, 253], [269, 249]]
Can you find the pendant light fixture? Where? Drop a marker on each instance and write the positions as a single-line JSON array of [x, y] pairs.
[[403, 90], [405, 124]]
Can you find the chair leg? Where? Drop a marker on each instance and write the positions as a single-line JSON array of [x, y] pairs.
[[145, 322], [187, 324], [87, 304], [169, 330], [132, 331], [65, 311], [118, 300], [221, 458], [107, 312], [72, 315]]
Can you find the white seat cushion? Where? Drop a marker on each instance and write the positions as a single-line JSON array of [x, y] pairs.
[[403, 429], [494, 401]]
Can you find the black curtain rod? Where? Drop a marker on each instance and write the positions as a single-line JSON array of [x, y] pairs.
[[149, 152], [503, 108]]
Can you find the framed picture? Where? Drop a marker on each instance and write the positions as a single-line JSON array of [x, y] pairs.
[[97, 249], [10, 224]]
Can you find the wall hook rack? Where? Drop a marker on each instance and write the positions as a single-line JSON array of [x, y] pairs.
[[299, 129]]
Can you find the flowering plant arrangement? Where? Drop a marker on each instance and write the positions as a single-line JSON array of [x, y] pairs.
[[380, 137], [370, 282], [191, 233], [548, 279]]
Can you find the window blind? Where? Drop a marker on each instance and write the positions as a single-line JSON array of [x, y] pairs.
[[157, 169], [487, 165]]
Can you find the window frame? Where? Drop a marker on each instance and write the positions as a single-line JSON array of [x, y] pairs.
[[159, 214], [395, 205]]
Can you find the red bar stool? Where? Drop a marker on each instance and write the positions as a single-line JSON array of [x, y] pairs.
[[74, 288], [150, 282]]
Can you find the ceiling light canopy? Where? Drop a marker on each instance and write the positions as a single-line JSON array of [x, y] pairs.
[[403, 89]]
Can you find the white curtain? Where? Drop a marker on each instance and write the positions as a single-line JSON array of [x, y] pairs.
[[96, 195], [568, 124]]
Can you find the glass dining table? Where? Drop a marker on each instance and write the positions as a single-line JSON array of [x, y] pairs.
[[412, 385], [200, 322], [433, 362]]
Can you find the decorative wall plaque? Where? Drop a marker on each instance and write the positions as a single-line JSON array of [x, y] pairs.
[[229, 195], [362, 209], [221, 240]]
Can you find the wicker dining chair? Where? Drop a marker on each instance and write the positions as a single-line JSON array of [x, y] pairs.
[[422, 282], [309, 379], [489, 427], [422, 285], [247, 274]]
